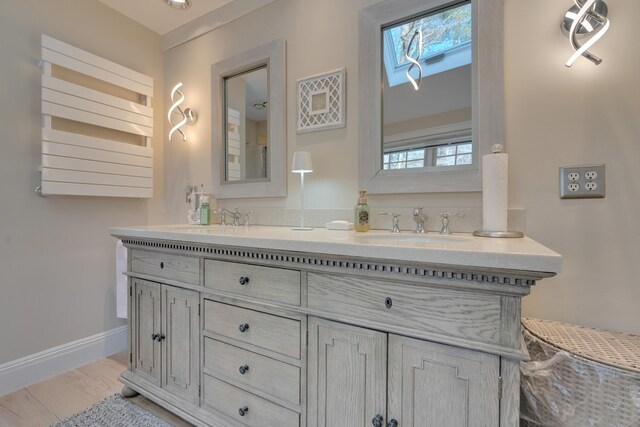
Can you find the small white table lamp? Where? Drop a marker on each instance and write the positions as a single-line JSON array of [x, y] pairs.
[[302, 164]]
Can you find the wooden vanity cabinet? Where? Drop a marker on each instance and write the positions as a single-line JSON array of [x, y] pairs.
[[165, 337], [233, 337], [356, 375]]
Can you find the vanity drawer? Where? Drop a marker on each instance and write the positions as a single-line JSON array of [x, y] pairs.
[[267, 283], [257, 372], [264, 330], [228, 400], [166, 266], [469, 315]]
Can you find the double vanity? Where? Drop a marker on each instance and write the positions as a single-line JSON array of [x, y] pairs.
[[265, 326]]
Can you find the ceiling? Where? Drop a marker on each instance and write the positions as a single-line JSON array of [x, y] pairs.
[[159, 17]]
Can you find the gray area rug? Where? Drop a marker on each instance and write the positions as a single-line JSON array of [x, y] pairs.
[[114, 411]]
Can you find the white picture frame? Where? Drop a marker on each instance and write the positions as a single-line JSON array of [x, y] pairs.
[[321, 102]]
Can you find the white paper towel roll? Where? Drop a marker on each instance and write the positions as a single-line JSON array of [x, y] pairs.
[[495, 190]]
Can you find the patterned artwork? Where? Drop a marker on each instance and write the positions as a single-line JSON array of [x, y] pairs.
[[321, 102]]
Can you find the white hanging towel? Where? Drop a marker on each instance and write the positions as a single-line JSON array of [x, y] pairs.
[[121, 280]]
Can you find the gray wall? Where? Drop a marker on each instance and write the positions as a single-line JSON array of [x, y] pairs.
[[554, 116], [57, 261]]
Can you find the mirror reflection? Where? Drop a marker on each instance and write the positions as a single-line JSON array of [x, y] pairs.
[[426, 91], [247, 128]]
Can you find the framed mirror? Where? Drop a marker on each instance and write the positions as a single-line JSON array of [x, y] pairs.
[[431, 94], [248, 124]]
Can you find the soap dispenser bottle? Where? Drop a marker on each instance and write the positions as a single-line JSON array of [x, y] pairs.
[[361, 220], [205, 211]]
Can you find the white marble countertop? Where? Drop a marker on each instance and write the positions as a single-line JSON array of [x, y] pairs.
[[459, 249]]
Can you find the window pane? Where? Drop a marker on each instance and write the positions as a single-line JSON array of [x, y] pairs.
[[465, 148], [385, 158], [452, 28], [415, 164], [464, 159], [448, 150], [415, 155], [446, 161], [400, 165]]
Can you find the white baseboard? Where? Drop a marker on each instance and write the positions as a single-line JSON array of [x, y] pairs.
[[37, 367]]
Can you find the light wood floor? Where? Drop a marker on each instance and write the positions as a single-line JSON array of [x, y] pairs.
[[47, 402]]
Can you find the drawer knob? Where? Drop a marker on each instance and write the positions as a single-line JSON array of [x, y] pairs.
[[161, 264], [377, 421], [244, 327], [388, 302], [243, 369], [243, 411], [392, 423], [244, 280]]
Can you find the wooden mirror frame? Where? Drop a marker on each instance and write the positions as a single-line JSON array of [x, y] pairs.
[[273, 55], [487, 98]]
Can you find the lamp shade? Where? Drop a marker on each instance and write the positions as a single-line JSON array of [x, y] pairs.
[[301, 162]]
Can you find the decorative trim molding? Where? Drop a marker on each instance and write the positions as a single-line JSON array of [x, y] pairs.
[[442, 272], [40, 366]]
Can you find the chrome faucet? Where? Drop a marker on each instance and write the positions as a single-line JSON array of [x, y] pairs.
[[420, 218], [394, 222], [445, 221], [236, 215], [247, 219]]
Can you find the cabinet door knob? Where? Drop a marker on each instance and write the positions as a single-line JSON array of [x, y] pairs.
[[243, 411], [154, 337], [388, 302], [244, 327], [161, 337], [161, 264], [377, 421], [392, 423], [243, 369], [243, 280]]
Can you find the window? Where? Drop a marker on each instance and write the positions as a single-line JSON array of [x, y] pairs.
[[453, 154], [447, 41], [449, 154], [404, 159]]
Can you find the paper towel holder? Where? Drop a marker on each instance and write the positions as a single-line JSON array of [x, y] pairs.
[[498, 148]]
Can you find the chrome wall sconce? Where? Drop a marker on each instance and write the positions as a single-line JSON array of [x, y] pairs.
[[415, 60], [587, 20], [188, 116]]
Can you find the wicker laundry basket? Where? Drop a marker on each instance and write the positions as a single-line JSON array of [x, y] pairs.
[[579, 377]]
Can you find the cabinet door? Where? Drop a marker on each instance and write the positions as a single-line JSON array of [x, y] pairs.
[[146, 322], [181, 352], [347, 375], [435, 385]]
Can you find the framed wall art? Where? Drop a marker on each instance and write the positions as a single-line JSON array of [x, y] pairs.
[[321, 102]]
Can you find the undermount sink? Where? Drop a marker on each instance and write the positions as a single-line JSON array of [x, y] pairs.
[[412, 238]]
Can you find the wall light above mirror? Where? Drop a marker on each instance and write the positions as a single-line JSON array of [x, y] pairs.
[[248, 124], [430, 139]]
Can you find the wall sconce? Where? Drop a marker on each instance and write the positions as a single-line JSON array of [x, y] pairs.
[[188, 116], [586, 19], [302, 164], [415, 61]]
